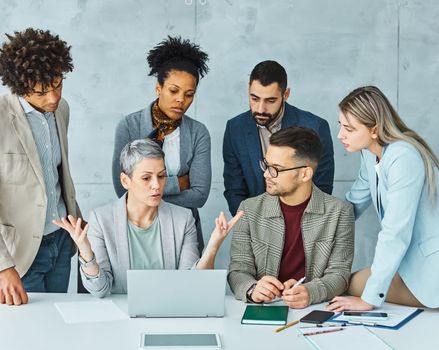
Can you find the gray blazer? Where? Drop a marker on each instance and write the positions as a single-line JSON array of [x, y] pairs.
[[108, 236], [194, 157], [23, 198], [328, 239]]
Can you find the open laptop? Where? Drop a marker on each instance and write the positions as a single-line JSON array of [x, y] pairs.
[[176, 293]]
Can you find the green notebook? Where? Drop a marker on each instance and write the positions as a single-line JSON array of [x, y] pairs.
[[260, 314]]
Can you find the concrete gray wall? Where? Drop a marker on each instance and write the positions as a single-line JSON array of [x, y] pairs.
[[327, 47]]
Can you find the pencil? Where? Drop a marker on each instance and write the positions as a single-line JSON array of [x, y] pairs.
[[323, 332], [287, 325]]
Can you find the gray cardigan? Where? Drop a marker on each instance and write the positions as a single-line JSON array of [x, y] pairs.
[[109, 240], [194, 157]]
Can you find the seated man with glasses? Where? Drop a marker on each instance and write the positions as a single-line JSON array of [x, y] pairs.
[[293, 230]]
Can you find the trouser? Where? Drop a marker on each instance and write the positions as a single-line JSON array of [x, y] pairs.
[[50, 271]]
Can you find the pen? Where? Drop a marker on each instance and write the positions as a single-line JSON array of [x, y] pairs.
[[287, 325], [323, 332], [324, 326], [372, 324], [299, 282]]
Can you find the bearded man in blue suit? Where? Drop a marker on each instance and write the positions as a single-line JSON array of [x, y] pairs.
[[247, 135]]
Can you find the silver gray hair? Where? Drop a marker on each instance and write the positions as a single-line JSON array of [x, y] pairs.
[[136, 151]]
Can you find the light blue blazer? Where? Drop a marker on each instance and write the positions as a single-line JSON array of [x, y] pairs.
[[408, 242]]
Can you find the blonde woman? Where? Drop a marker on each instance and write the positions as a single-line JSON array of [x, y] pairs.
[[398, 176]]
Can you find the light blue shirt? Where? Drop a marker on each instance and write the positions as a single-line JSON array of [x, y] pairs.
[[45, 134], [408, 242]]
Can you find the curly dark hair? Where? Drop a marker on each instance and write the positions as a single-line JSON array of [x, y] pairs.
[[33, 56], [175, 53]]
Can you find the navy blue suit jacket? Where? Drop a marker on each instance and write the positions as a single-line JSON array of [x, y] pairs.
[[243, 178]]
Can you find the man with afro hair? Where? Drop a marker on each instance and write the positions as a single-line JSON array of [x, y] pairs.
[[35, 182]]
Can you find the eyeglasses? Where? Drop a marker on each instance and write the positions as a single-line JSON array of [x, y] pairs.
[[273, 171]]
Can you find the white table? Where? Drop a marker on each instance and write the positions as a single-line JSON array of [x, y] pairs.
[[38, 325]]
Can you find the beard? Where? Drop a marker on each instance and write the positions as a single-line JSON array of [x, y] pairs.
[[275, 189], [268, 117]]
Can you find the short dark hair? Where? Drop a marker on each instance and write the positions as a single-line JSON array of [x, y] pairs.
[[175, 53], [268, 72], [33, 56], [305, 142]]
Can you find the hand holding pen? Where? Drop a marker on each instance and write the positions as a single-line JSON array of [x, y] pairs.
[[295, 295]]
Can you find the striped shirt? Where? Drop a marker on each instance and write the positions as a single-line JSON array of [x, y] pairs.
[[46, 139]]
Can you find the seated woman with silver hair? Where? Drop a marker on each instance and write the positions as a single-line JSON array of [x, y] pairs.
[[139, 230]]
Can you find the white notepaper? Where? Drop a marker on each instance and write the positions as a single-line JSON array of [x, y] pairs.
[[90, 311], [351, 337]]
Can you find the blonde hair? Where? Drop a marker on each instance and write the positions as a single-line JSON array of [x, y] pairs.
[[371, 108]]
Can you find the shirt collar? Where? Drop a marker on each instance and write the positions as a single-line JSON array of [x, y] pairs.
[[276, 125], [28, 109]]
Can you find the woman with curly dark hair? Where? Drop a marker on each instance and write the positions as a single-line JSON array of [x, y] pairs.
[[35, 182], [178, 65]]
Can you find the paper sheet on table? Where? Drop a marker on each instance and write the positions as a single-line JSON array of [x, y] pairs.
[[396, 314], [90, 311], [351, 337]]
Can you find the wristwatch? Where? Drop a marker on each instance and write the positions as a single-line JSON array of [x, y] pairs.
[[250, 292], [86, 264]]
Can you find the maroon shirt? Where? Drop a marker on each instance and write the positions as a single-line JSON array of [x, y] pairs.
[[292, 264]]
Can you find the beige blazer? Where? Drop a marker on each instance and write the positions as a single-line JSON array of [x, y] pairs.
[[328, 240], [108, 237], [23, 200]]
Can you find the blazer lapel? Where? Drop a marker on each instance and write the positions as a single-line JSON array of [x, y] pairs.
[[290, 117], [24, 133], [120, 223], [167, 235], [253, 145], [61, 128], [276, 233], [310, 235], [145, 123]]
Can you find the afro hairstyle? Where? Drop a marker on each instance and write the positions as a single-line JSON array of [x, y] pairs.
[[175, 53], [33, 56]]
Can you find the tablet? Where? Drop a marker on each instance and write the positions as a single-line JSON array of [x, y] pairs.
[[180, 341]]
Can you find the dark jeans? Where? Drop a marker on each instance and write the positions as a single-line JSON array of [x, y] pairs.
[[50, 271]]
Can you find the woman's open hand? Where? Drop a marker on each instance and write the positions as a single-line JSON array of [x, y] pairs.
[[222, 228], [79, 235]]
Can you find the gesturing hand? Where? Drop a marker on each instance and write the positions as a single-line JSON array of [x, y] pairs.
[[73, 226], [222, 228]]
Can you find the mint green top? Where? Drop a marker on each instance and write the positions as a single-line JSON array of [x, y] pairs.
[[145, 246]]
